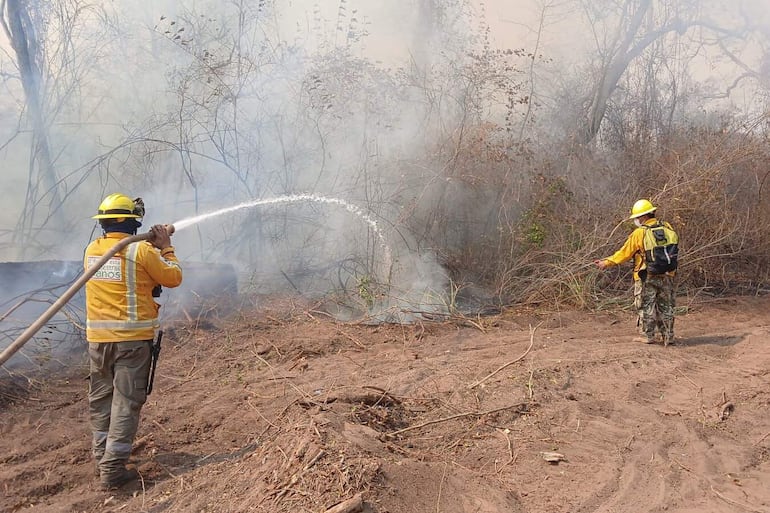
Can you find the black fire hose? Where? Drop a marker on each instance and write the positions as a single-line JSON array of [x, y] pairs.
[[70, 292]]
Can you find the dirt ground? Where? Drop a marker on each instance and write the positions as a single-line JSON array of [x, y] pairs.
[[281, 409]]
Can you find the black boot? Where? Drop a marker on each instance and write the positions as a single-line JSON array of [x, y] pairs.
[[118, 478]]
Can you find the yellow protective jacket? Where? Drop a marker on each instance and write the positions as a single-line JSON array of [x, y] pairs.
[[634, 248], [119, 302]]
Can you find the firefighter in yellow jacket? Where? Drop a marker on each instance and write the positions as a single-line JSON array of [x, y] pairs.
[[654, 285], [121, 319]]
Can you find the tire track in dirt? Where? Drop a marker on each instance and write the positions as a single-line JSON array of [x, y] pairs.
[[680, 458]]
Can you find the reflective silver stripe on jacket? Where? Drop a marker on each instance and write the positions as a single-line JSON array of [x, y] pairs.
[[117, 325], [131, 300]]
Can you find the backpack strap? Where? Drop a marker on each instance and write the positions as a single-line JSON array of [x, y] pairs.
[[658, 224]]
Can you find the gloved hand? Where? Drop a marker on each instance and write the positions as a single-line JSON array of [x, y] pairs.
[[139, 207], [160, 237]]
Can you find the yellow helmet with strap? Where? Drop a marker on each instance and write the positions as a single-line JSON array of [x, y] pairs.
[[642, 207], [117, 206]]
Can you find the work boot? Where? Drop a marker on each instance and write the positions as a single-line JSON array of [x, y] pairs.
[[118, 478], [644, 340]]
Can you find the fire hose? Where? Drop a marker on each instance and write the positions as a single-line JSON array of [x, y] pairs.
[[70, 292]]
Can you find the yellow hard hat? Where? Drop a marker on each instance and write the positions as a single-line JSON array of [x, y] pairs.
[[641, 208], [116, 206]]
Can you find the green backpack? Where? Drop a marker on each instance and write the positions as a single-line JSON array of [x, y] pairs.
[[661, 248]]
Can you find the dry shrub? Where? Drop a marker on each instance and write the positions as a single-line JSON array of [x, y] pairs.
[[554, 216], [546, 252]]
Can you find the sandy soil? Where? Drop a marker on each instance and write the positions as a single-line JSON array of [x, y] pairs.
[[281, 409]]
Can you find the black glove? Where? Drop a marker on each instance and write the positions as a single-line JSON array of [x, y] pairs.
[[139, 207], [156, 291]]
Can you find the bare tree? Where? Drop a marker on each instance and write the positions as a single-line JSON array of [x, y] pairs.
[[21, 22], [634, 27], [58, 46]]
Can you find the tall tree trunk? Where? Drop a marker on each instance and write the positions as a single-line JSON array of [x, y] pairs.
[[19, 25], [613, 71]]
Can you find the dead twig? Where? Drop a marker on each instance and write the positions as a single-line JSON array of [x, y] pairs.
[[531, 383], [726, 410], [314, 459], [458, 416], [531, 343], [187, 315], [253, 407], [505, 432], [462, 319], [440, 487], [726, 407], [691, 471], [299, 453], [141, 442], [384, 392], [352, 505], [697, 386], [350, 337], [728, 500]]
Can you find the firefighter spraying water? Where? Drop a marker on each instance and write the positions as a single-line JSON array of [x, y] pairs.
[[122, 329], [122, 273]]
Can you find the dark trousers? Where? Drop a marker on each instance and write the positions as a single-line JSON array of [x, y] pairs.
[[118, 390]]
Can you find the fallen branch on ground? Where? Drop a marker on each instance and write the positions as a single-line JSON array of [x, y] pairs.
[[384, 392], [741, 505], [531, 342], [352, 505], [458, 416]]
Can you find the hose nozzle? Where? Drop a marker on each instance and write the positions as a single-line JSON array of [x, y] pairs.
[[170, 229]]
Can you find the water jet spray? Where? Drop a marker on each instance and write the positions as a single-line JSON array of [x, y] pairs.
[[295, 198]]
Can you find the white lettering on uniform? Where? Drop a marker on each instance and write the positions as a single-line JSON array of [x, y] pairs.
[[110, 271]]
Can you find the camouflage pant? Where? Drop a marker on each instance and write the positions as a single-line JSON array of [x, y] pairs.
[[119, 373], [655, 300]]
